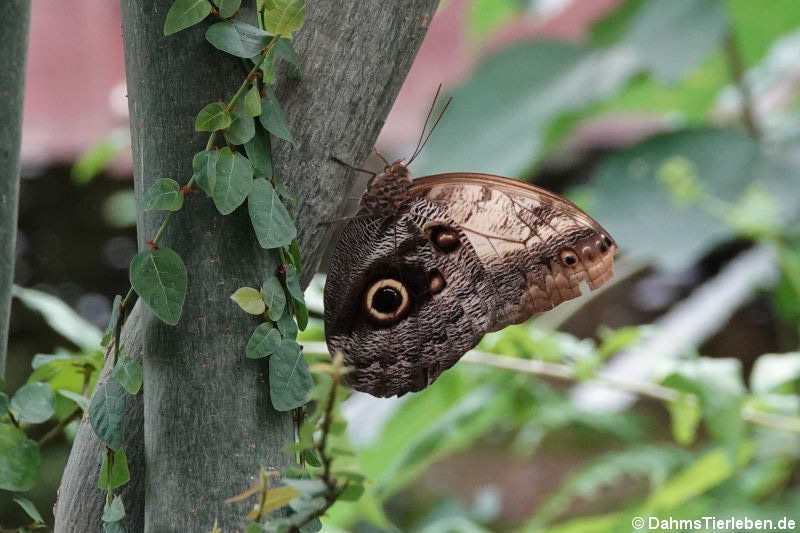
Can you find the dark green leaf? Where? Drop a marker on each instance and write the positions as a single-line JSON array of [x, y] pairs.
[[33, 403], [159, 278], [212, 117], [283, 192], [29, 508], [271, 221], [234, 181], [287, 326], [107, 413], [79, 399], [19, 459], [185, 13], [670, 38], [352, 493], [115, 511], [274, 297], [112, 321], [3, 403], [263, 342], [227, 8], [163, 195], [289, 377], [114, 527], [252, 101], [128, 372], [293, 284], [204, 166], [272, 117], [311, 456], [283, 17], [284, 49], [119, 472], [242, 129], [294, 255], [301, 313], [237, 38], [258, 151]]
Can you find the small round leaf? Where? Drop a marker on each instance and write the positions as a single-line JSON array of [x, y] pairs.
[[212, 117], [289, 377], [185, 13], [249, 299], [33, 403], [234, 181], [19, 459], [263, 342], [107, 413], [163, 195]]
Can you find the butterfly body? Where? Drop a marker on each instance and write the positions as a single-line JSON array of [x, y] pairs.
[[428, 266]]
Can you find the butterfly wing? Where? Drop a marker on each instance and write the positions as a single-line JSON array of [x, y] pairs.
[[408, 294], [537, 246]]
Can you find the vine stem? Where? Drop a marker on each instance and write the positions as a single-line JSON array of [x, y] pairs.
[[735, 64]]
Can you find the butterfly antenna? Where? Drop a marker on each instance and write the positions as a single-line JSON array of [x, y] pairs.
[[427, 118], [351, 167], [430, 132]]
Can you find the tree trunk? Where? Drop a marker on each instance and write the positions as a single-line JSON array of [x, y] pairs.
[[205, 412], [14, 36]]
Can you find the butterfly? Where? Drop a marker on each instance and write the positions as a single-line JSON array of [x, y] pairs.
[[428, 266]]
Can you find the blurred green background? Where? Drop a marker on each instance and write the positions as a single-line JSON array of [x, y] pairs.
[[672, 392]]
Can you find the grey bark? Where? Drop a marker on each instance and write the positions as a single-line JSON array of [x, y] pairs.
[[205, 424], [14, 36]]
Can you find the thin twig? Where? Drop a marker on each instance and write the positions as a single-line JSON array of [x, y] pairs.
[[734, 58]]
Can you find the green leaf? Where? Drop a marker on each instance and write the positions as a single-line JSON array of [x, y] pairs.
[[107, 413], [114, 527], [284, 49], [159, 278], [249, 300], [119, 472], [670, 38], [271, 221], [252, 101], [3, 403], [234, 181], [19, 459], [294, 255], [352, 493], [61, 317], [185, 13], [289, 377], [114, 511], [263, 342], [128, 372], [283, 17], [204, 166], [530, 84], [29, 508], [227, 8], [241, 130], [33, 403], [258, 151], [79, 399], [95, 159], [237, 38], [274, 297], [272, 117], [301, 313], [311, 456], [214, 116], [112, 321], [685, 416], [278, 497], [163, 195], [293, 284], [287, 326]]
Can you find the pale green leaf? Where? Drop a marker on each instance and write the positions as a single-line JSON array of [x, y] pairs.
[[249, 300]]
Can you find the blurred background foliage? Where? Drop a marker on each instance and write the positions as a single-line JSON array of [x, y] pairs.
[[674, 391]]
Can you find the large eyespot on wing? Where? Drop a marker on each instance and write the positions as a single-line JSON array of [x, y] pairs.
[[386, 301]]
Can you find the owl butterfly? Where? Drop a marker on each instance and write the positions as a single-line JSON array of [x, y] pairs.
[[428, 266]]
